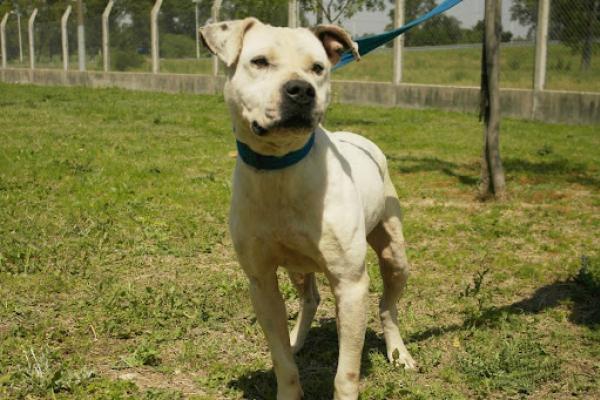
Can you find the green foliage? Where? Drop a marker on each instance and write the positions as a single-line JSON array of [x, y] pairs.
[[144, 354], [575, 23], [40, 372], [589, 273], [273, 12], [123, 60], [335, 11], [177, 46], [440, 30], [514, 362]]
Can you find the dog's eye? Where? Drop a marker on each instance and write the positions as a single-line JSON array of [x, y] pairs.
[[318, 68], [260, 62]]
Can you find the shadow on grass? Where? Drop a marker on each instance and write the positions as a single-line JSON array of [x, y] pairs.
[[343, 122], [317, 363], [584, 304], [562, 169], [572, 172], [410, 164]]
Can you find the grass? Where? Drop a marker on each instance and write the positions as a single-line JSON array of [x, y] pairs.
[[444, 67], [118, 279], [463, 67]]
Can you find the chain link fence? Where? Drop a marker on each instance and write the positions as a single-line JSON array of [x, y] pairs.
[[16, 43], [445, 50], [574, 45], [48, 39]]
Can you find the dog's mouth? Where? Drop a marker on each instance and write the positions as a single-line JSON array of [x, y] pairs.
[[293, 122], [258, 129]]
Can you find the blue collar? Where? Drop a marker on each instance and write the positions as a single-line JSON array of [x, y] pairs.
[[260, 161]]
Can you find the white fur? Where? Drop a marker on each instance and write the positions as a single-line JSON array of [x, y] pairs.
[[314, 216]]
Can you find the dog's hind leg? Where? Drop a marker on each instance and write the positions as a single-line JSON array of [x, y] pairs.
[[306, 285], [387, 240]]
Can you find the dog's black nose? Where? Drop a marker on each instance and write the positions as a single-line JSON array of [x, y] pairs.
[[300, 92]]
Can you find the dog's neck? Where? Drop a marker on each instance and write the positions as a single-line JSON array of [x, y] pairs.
[[268, 162]]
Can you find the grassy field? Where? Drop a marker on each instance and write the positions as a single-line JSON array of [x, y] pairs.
[[444, 67], [118, 279], [463, 67]]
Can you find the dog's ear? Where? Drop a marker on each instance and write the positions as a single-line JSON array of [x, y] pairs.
[[336, 41], [224, 39]]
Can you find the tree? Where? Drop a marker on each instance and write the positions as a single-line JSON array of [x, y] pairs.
[[440, 30], [334, 11], [492, 181], [574, 22], [274, 12], [437, 31], [475, 34]]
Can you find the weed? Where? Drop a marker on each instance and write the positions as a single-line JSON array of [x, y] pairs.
[[477, 299], [144, 354], [545, 150], [514, 362], [161, 394], [589, 273], [42, 374]]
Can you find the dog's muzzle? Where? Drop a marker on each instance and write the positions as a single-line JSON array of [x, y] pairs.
[[297, 108], [298, 103]]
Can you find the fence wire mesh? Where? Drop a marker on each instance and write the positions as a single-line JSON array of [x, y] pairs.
[[129, 27], [574, 45], [47, 39], [17, 55], [444, 50]]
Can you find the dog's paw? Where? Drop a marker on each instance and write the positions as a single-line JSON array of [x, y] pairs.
[[402, 359]]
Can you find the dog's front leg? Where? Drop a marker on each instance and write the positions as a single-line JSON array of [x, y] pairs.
[[351, 295], [271, 314]]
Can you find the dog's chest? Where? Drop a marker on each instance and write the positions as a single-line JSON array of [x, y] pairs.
[[282, 219]]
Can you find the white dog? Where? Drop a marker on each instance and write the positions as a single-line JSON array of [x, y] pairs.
[[306, 199]]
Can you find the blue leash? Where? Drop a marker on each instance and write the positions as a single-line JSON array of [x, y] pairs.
[[368, 44]]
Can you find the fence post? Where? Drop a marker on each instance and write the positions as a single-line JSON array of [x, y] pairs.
[[154, 36], [64, 38], [30, 23], [541, 52], [3, 38], [80, 36], [216, 8], [197, 35], [18, 12], [398, 42], [292, 13], [105, 33]]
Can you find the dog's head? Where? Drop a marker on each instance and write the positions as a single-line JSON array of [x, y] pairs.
[[277, 78]]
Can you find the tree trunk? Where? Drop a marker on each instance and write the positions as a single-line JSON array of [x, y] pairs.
[[588, 41], [492, 173]]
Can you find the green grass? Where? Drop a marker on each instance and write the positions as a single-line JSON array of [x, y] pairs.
[[118, 279], [463, 67], [443, 67]]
